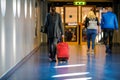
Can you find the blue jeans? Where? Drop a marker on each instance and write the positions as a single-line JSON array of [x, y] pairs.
[[91, 34]]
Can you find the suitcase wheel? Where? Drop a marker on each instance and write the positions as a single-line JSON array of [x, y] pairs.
[[62, 59]]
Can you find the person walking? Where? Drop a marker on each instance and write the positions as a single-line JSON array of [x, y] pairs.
[[109, 23], [53, 23], [91, 24]]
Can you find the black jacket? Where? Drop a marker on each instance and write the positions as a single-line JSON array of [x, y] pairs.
[[87, 21], [53, 23]]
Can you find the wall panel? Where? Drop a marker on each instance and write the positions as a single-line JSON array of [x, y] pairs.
[[16, 32]]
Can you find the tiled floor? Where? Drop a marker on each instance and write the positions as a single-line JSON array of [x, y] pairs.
[[80, 66]]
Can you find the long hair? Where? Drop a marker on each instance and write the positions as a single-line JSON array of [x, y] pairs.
[[91, 15]]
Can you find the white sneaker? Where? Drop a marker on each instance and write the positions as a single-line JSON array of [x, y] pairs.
[[92, 52], [88, 51]]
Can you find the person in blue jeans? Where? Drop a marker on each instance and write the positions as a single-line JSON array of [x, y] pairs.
[[92, 24], [109, 23]]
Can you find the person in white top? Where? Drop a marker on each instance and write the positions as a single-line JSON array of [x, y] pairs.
[[91, 24]]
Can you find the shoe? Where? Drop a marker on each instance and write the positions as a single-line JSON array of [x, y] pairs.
[[49, 55], [50, 59], [110, 51], [92, 52], [88, 51], [107, 49], [53, 60]]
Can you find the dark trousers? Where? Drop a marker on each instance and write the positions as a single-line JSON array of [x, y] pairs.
[[52, 42], [108, 33]]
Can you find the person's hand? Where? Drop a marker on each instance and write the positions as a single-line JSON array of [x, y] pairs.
[[62, 36], [98, 31]]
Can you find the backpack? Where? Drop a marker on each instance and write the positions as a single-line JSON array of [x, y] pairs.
[[88, 19]]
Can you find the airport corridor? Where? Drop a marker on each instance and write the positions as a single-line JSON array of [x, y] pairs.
[[80, 66]]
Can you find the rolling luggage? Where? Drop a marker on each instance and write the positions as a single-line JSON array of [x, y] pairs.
[[62, 51]]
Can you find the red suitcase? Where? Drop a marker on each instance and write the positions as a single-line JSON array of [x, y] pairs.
[[62, 51]]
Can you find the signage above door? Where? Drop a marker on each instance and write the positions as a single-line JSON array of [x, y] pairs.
[[79, 2]]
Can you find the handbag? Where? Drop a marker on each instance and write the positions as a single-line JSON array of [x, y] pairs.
[[43, 29]]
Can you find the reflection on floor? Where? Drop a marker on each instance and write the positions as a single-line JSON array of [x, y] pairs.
[[80, 66]]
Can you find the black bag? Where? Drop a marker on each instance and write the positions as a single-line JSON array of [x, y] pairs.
[[43, 29]]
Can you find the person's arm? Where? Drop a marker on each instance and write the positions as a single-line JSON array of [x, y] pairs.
[[60, 25], [97, 21], [46, 21], [102, 22], [44, 27], [98, 24], [116, 23], [86, 22]]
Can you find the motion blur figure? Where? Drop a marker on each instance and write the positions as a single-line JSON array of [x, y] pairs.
[[92, 24], [109, 23], [53, 23]]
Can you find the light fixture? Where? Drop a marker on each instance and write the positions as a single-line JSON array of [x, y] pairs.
[[86, 78], [25, 8], [30, 8], [75, 65], [18, 8], [70, 74], [14, 8], [3, 7]]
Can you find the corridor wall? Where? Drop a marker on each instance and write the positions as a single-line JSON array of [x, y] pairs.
[[17, 32]]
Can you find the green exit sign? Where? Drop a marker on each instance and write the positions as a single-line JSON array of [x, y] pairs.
[[79, 3]]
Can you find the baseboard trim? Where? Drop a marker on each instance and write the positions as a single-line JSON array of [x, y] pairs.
[[14, 68]]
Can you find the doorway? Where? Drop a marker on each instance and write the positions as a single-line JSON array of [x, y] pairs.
[[73, 21]]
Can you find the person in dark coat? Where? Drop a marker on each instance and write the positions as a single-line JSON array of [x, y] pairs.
[[53, 23], [109, 23]]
